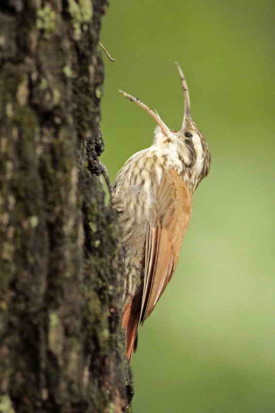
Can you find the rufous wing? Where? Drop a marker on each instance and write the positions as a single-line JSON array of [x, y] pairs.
[[164, 239], [171, 212]]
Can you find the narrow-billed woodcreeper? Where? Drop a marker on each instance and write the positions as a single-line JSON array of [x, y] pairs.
[[153, 196]]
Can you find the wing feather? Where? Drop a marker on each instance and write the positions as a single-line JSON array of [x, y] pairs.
[[164, 238], [169, 216]]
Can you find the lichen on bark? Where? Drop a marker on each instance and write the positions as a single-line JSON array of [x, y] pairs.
[[61, 346]]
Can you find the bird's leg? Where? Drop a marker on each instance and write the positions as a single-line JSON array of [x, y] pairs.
[[104, 172]]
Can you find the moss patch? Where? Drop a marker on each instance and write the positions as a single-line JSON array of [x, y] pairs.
[[6, 405], [81, 12], [46, 20]]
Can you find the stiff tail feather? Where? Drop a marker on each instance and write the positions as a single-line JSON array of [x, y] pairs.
[[130, 322]]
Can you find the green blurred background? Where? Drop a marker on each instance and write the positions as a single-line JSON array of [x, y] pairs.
[[209, 347]]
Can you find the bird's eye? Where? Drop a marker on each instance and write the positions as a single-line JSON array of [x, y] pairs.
[[188, 134]]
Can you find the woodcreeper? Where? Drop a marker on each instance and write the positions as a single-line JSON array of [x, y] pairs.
[[153, 196]]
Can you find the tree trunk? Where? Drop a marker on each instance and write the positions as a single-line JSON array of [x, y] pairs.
[[62, 349]]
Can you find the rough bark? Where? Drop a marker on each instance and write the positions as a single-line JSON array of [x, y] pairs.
[[61, 346]]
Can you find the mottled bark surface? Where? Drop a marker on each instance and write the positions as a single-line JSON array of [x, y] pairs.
[[60, 274]]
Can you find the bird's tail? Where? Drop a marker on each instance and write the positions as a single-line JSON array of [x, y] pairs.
[[130, 322]]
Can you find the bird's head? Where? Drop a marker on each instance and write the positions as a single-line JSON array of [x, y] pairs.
[[191, 145]]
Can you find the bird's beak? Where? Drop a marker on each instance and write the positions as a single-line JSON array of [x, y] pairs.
[[187, 106]]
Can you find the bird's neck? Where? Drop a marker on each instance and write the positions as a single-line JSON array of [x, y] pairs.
[[173, 155]]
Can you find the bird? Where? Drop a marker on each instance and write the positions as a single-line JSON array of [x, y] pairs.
[[152, 195]]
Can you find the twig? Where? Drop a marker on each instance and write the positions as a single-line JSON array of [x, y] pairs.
[[106, 52]]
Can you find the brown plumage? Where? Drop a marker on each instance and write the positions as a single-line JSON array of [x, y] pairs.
[[153, 193]]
